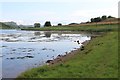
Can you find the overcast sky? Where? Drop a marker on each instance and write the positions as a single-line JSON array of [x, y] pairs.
[[56, 11]]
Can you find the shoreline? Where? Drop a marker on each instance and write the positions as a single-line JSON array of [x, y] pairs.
[[62, 58], [92, 54]]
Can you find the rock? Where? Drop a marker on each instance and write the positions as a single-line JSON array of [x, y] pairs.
[[29, 50], [44, 49], [12, 58], [29, 56], [53, 50], [78, 42], [82, 48], [48, 61], [14, 50], [20, 57], [4, 46]]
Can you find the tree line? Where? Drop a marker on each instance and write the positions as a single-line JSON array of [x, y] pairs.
[[99, 19], [47, 24], [96, 19]]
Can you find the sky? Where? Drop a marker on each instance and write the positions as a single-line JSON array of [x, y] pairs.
[[28, 12]]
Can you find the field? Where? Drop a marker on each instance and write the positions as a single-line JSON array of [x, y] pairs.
[[89, 28], [99, 59]]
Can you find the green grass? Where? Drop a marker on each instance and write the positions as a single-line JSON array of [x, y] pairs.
[[90, 28], [99, 59]]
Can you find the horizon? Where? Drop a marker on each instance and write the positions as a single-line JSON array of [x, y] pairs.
[[65, 12]]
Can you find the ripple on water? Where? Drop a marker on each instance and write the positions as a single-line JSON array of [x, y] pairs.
[[27, 49]]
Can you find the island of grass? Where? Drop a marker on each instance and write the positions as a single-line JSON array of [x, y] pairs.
[[98, 59]]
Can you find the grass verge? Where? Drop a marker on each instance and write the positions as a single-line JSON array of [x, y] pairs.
[[89, 28]]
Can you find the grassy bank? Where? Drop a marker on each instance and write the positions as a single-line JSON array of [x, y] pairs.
[[99, 59], [90, 28]]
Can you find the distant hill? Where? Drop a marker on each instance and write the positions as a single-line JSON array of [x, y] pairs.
[[111, 20], [107, 21], [4, 26], [73, 24], [13, 24], [25, 26]]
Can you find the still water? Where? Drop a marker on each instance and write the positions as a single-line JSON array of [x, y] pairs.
[[22, 50]]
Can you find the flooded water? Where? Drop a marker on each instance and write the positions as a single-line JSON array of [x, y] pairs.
[[22, 50]]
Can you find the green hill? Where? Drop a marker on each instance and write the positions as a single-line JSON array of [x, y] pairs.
[[4, 26]]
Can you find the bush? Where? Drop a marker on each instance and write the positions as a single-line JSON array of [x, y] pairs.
[[59, 24], [98, 19], [37, 25], [47, 23], [104, 17]]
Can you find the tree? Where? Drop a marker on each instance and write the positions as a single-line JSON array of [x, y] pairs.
[[92, 20], [59, 24], [47, 34], [47, 23], [87, 22], [73, 24], [110, 17], [37, 33], [37, 25], [98, 19], [104, 17]]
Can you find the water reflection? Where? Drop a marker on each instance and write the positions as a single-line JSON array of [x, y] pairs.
[[47, 34], [27, 49], [37, 33]]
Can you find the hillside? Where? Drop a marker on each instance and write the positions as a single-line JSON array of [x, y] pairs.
[[4, 26], [14, 24], [111, 20], [108, 21]]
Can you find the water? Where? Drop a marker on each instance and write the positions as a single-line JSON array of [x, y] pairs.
[[22, 50]]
